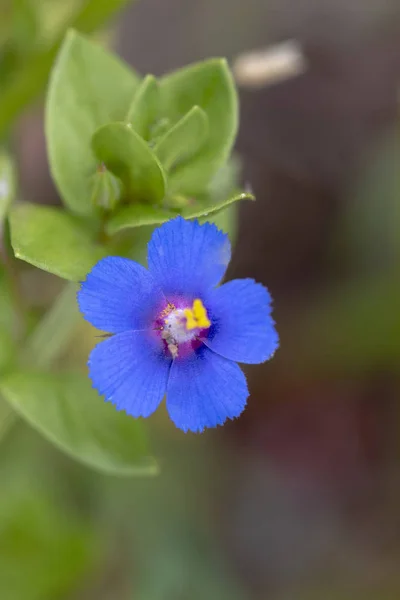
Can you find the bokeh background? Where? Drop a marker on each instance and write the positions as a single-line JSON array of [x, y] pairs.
[[300, 497]]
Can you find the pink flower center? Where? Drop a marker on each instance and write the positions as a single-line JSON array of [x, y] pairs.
[[182, 329]]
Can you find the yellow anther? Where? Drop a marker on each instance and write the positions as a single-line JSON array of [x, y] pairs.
[[191, 322], [196, 317], [200, 314]]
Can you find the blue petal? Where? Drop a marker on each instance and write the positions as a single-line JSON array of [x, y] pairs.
[[187, 258], [130, 369], [205, 390], [243, 329], [119, 294]]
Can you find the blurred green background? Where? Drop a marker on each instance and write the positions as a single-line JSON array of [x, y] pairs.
[[300, 497]]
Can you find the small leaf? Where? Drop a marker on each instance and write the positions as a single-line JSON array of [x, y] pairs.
[[68, 412], [209, 85], [128, 156], [144, 108], [137, 215], [53, 240], [7, 184], [88, 88], [184, 139]]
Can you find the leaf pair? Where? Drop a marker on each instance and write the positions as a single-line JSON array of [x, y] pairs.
[[111, 137], [160, 138]]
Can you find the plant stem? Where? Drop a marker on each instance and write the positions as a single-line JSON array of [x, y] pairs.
[[54, 330], [8, 262]]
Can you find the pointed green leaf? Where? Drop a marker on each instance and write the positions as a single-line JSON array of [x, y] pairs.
[[128, 156], [53, 240], [144, 108], [7, 184], [209, 85], [69, 412], [88, 88], [184, 139], [137, 215]]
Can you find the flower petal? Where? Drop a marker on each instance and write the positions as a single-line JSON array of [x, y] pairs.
[[243, 329], [130, 369], [186, 258], [119, 294], [204, 390]]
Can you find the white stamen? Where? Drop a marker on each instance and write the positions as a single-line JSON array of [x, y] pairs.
[[175, 328]]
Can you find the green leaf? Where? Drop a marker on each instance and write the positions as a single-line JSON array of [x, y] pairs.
[[69, 412], [128, 156], [184, 139], [144, 108], [31, 77], [137, 215], [7, 184], [53, 240], [209, 85], [88, 88]]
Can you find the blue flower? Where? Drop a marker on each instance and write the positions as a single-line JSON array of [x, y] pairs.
[[175, 332]]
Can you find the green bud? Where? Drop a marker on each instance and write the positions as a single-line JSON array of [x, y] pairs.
[[158, 129], [178, 201], [107, 189]]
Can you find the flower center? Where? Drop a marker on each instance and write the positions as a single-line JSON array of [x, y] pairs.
[[183, 325]]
